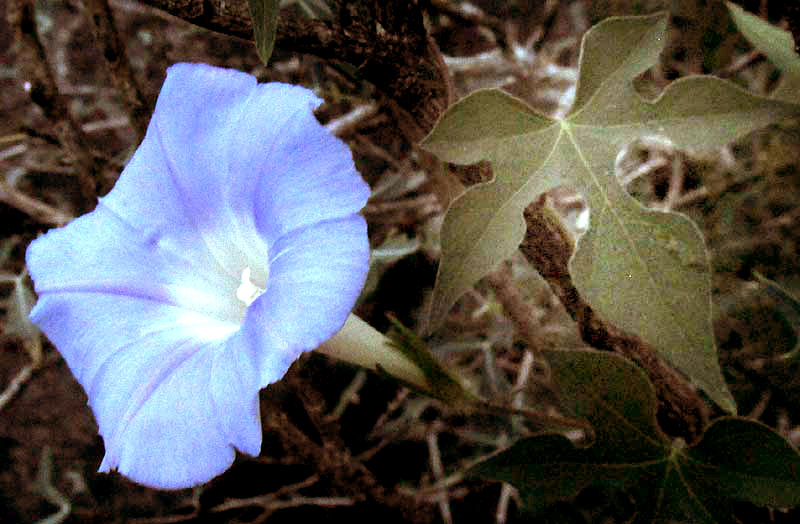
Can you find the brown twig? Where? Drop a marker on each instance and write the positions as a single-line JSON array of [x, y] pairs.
[[472, 16], [401, 60], [547, 245], [36, 209], [520, 312], [35, 69], [330, 456], [106, 36]]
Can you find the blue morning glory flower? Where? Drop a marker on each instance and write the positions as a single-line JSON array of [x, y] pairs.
[[230, 245]]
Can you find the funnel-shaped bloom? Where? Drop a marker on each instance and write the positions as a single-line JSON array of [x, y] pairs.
[[230, 245]]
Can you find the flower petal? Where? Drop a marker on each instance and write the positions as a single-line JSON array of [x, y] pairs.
[[148, 340], [101, 253], [182, 168], [316, 275], [147, 370], [318, 184]]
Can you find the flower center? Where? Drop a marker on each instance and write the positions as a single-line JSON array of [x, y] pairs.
[[247, 291]]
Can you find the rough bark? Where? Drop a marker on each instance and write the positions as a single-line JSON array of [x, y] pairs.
[[386, 40]]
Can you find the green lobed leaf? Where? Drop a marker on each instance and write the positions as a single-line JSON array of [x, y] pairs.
[[777, 44], [616, 397], [265, 14], [746, 460], [628, 448], [736, 458], [645, 271]]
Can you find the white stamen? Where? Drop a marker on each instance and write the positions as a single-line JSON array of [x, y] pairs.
[[247, 291]]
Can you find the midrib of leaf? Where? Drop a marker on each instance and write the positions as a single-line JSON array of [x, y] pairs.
[[665, 299], [603, 205], [621, 419], [697, 503]]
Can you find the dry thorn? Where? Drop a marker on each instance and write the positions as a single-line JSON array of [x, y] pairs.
[[23, 376], [422, 206], [506, 493], [348, 396], [675, 190], [438, 473]]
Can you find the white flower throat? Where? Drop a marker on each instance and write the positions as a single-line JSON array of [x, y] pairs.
[[247, 292]]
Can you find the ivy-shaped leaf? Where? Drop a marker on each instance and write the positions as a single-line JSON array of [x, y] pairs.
[[617, 399], [265, 14], [778, 46], [735, 459], [645, 271]]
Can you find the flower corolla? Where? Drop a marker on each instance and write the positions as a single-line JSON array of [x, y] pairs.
[[230, 244]]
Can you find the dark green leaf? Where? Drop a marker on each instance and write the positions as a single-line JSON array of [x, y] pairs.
[[746, 460], [627, 448], [736, 458]]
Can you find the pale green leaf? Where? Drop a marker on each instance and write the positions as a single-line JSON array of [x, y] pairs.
[[778, 46], [644, 271], [265, 14]]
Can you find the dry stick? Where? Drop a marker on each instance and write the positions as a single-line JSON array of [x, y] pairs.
[[334, 460], [681, 411], [402, 61], [106, 36], [343, 471], [35, 69], [473, 16], [518, 310], [36, 209]]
